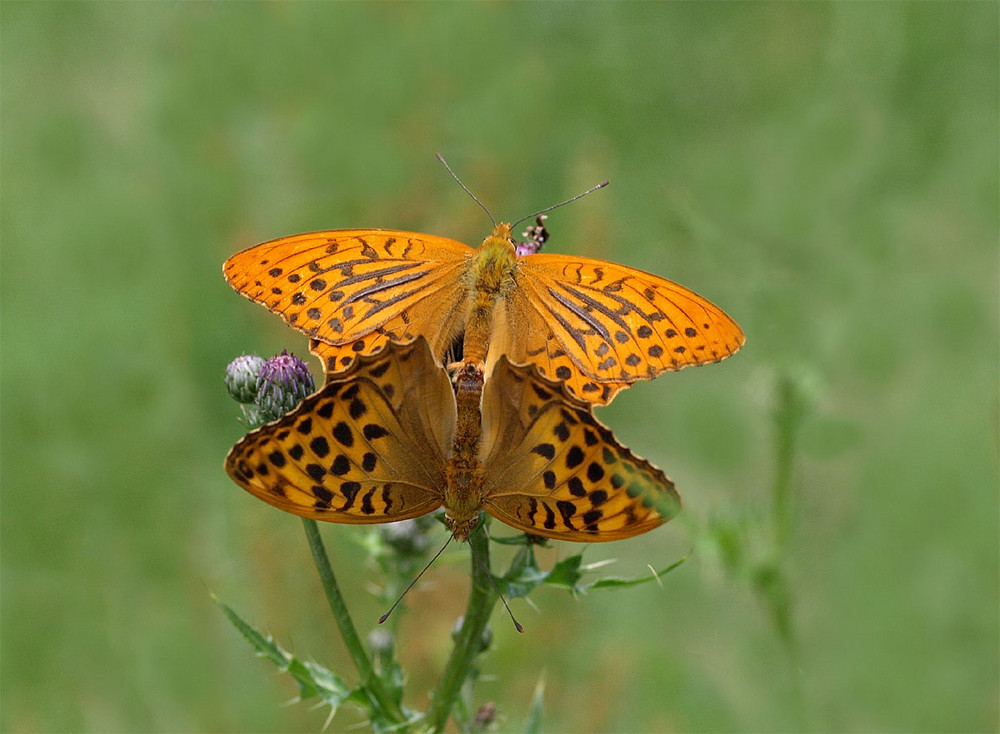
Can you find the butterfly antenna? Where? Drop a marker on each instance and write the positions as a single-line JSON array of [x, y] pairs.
[[466, 188], [407, 590], [591, 190], [493, 583]]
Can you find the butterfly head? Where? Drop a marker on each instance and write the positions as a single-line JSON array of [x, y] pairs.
[[498, 242], [461, 527]]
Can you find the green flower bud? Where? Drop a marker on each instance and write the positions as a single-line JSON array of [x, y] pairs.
[[381, 643], [241, 377]]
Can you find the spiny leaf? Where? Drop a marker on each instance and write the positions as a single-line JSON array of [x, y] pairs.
[[312, 679], [525, 576], [613, 583]]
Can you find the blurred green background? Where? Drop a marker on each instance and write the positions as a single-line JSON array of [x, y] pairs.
[[827, 173]]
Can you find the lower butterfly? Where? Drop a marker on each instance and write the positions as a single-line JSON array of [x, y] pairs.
[[596, 326], [390, 439]]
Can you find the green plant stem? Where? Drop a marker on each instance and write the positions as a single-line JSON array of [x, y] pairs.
[[369, 679], [482, 598]]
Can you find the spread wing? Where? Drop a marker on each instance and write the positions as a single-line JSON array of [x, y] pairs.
[[553, 469], [356, 289], [368, 447], [617, 324]]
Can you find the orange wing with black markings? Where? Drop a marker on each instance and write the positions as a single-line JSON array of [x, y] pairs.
[[619, 324], [366, 448], [553, 469], [594, 325], [354, 290], [377, 444]]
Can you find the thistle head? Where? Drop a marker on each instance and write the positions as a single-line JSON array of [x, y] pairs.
[[283, 383], [268, 388]]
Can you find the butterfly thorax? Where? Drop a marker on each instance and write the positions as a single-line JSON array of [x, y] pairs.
[[491, 276]]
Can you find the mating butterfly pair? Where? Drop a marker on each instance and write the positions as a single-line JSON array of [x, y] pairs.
[[388, 437]]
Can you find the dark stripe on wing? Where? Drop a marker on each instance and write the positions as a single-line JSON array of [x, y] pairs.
[[598, 306], [378, 286], [580, 312]]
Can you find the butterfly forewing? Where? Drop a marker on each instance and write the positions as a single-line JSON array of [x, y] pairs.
[[552, 469], [357, 289], [367, 448], [431, 317], [619, 324]]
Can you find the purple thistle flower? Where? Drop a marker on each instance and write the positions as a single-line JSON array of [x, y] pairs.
[[283, 383]]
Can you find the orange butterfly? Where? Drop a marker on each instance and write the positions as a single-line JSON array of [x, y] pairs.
[[387, 439], [594, 325]]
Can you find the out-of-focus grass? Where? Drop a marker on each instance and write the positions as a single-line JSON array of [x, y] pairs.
[[826, 172]]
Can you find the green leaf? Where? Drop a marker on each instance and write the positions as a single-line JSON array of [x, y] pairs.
[[393, 678], [525, 575], [614, 583], [313, 679], [566, 573]]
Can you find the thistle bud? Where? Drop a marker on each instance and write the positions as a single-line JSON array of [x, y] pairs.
[[241, 377], [283, 383]]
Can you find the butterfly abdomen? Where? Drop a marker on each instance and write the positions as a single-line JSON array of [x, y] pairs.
[[468, 399]]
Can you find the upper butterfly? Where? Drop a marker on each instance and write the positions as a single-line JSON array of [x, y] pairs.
[[594, 325]]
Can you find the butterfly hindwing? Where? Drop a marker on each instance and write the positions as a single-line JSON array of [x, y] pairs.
[[366, 448], [526, 336], [552, 469]]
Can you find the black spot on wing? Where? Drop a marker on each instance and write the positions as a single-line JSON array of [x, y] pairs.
[[545, 450]]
